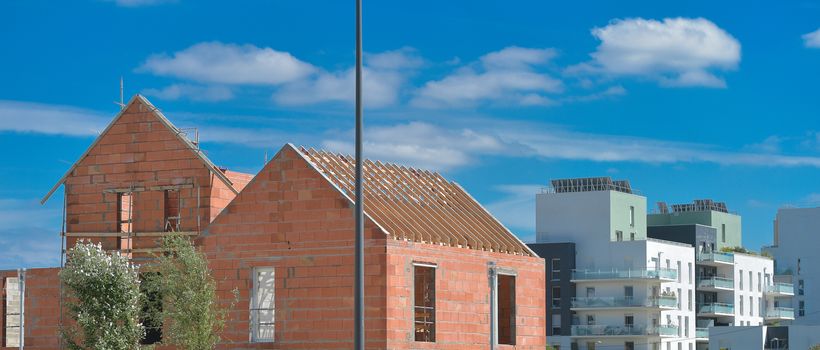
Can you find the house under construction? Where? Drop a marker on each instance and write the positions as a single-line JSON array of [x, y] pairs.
[[441, 271]]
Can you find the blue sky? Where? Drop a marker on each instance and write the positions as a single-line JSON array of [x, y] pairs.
[[702, 99]]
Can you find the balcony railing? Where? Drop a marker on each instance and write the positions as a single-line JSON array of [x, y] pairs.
[[780, 313], [780, 288], [662, 273], [716, 282], [716, 308], [604, 330], [612, 302], [701, 332], [716, 257]]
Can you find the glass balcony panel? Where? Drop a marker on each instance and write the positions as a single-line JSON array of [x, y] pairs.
[[612, 302], [780, 288], [716, 282], [603, 330], [716, 257], [625, 274], [780, 313], [701, 332], [716, 308]]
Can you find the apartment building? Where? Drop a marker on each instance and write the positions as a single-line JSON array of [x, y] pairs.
[[630, 291], [764, 337], [733, 288], [441, 271], [796, 261]]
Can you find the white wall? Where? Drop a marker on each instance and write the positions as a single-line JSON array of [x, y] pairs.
[[759, 266], [799, 234]]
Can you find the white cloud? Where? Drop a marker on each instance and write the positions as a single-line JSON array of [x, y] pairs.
[[216, 62], [515, 208], [674, 52], [812, 40], [422, 145], [384, 74], [138, 3], [192, 92], [50, 119], [508, 76], [27, 234]]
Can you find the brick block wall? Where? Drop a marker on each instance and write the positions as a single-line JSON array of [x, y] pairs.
[[42, 308], [462, 296], [288, 217]]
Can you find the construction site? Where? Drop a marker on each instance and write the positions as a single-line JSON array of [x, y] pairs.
[[440, 271]]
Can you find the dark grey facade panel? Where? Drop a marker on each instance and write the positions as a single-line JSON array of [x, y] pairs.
[[565, 252]]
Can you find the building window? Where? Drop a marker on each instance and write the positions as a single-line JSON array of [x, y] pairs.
[[629, 292], [506, 309], [590, 292], [741, 305], [751, 306], [740, 281], [691, 280], [800, 286], [801, 308], [631, 216], [556, 297], [686, 326], [632, 236], [690, 299], [798, 266], [263, 305], [171, 212], [679, 273], [759, 282], [12, 334], [680, 329], [751, 282], [424, 306], [723, 233], [556, 324], [590, 345], [590, 320], [619, 236], [629, 345], [629, 321], [125, 205], [679, 296], [556, 269]]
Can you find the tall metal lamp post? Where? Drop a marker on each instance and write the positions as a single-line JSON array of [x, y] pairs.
[[358, 328]]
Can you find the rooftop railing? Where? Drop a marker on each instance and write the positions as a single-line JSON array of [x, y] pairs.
[[716, 257]]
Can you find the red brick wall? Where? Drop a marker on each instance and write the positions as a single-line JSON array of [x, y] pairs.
[[462, 297], [290, 218], [42, 308], [140, 151]]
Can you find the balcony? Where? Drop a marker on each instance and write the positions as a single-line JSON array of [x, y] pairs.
[[779, 314], [624, 274], [716, 284], [715, 258], [779, 290], [659, 302], [623, 331], [716, 310], [702, 334]]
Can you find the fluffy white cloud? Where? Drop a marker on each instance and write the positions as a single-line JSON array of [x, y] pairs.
[[42, 118], [812, 40], [508, 76], [675, 51], [422, 145], [216, 62], [192, 92], [384, 74]]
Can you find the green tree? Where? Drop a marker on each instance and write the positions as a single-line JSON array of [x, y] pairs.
[[190, 314], [815, 347], [102, 298]]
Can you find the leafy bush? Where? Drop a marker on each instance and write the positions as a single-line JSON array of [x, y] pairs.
[[102, 297], [189, 312]]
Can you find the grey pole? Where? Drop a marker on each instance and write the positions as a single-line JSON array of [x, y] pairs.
[[358, 336]]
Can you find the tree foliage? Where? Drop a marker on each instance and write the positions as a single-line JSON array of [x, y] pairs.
[[190, 314], [102, 297]]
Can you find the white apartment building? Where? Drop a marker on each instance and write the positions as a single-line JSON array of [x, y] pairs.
[[797, 262], [630, 292]]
